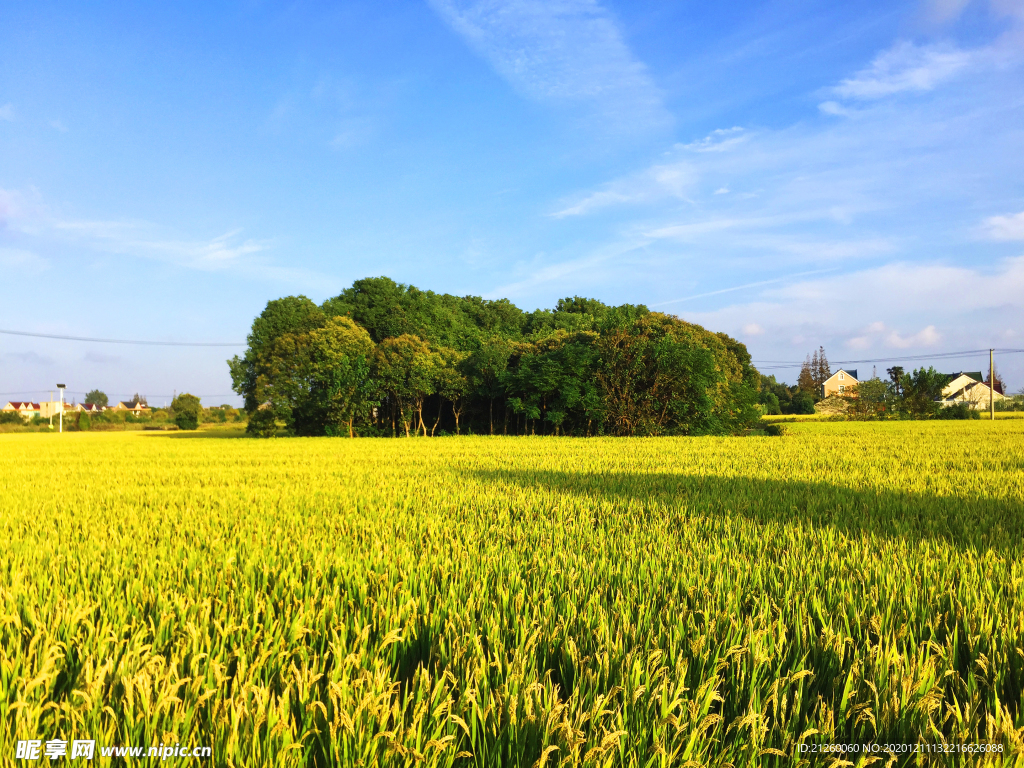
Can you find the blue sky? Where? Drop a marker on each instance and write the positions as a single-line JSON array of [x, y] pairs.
[[795, 174]]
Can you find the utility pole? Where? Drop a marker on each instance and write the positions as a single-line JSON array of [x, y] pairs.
[[991, 385], [61, 388]]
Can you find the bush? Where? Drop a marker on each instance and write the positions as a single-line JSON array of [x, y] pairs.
[[770, 401], [803, 403], [11, 417], [187, 420], [187, 410], [263, 423], [85, 422], [775, 430], [958, 411]]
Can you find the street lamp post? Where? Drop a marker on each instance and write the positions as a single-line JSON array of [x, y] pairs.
[[61, 412]]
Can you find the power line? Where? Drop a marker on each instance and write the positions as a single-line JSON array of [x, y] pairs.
[[774, 364], [126, 341]]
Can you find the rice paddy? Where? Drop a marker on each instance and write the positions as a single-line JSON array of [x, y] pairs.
[[519, 601]]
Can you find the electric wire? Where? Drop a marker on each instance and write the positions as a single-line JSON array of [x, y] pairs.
[[126, 341]]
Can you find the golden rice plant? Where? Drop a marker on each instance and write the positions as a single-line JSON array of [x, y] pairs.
[[518, 601]]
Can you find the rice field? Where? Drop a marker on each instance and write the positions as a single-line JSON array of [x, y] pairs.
[[519, 601]]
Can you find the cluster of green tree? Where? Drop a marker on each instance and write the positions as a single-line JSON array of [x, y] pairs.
[[814, 372], [914, 395], [779, 398], [383, 358]]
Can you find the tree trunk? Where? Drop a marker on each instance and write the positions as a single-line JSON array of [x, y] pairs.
[[405, 423], [492, 415], [351, 432], [440, 405]]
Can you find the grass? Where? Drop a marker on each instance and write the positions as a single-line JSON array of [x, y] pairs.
[[517, 601]]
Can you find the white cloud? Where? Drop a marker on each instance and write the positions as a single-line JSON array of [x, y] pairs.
[[752, 329], [875, 336], [927, 337], [834, 108], [34, 222], [923, 306], [904, 67], [658, 182], [719, 140], [7, 112], [560, 51], [946, 10], [1006, 227], [142, 239], [722, 191]]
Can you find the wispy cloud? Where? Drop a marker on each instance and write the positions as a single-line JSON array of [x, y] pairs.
[[7, 112], [744, 287], [829, 310], [560, 51], [1006, 227], [58, 125], [905, 67], [142, 239], [877, 335], [32, 221], [719, 140], [671, 180]]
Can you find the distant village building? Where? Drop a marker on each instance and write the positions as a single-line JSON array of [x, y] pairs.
[[970, 388], [840, 383], [24, 409], [135, 408]]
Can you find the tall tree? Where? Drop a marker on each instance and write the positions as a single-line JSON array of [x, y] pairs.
[[822, 372], [1000, 385], [97, 398], [341, 385], [922, 390], [806, 379], [895, 375], [451, 384], [290, 316], [407, 368]]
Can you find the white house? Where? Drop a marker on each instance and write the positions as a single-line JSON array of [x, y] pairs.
[[25, 410], [968, 387]]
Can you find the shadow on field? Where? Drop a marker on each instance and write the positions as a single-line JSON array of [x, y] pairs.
[[200, 434], [974, 523]]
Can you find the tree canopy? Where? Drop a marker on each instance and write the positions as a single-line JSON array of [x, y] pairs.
[[383, 358], [97, 398]]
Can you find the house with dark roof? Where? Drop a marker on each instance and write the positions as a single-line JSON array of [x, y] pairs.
[[135, 408], [840, 383], [968, 387], [23, 409]]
